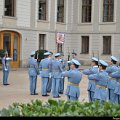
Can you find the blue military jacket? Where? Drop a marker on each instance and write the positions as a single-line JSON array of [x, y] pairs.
[[64, 63], [56, 69], [92, 70], [111, 82], [117, 76], [33, 67], [101, 79], [6, 63], [45, 67], [74, 77]]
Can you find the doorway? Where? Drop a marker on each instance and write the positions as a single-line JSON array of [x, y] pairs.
[[10, 41]]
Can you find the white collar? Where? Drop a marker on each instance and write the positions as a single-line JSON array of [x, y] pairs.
[[95, 66]]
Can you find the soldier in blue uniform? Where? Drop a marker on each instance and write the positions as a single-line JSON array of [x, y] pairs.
[[74, 56], [116, 75], [49, 85], [112, 82], [56, 75], [33, 71], [45, 70], [15, 55], [6, 68], [74, 78], [91, 84], [101, 79], [64, 64]]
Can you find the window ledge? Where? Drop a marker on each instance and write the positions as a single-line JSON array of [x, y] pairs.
[[84, 53], [85, 23], [61, 23], [43, 21], [10, 17], [106, 54], [107, 23]]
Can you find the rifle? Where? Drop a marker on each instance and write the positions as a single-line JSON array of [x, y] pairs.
[[98, 60], [68, 59], [73, 51], [93, 53], [119, 62], [111, 52]]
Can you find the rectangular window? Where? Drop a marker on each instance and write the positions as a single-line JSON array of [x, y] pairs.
[[108, 10], [42, 9], [60, 10], [86, 10], [85, 45], [42, 41], [9, 9], [106, 44]]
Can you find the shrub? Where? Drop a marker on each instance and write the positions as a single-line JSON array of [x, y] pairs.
[[40, 55], [62, 108]]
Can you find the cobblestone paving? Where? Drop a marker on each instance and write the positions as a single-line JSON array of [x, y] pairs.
[[18, 90]]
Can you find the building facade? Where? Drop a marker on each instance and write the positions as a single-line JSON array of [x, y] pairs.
[[91, 28]]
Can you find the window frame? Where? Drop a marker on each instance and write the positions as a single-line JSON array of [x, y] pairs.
[[45, 12], [107, 46], [63, 11], [87, 8], [43, 36], [85, 45], [13, 9], [108, 17]]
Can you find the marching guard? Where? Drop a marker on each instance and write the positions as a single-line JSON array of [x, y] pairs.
[[64, 64], [111, 81], [45, 72], [91, 83], [33, 72], [6, 67], [116, 75], [74, 78], [49, 85], [101, 79], [56, 75]]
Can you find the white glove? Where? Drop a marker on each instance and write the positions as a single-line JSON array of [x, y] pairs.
[[6, 69], [50, 75], [68, 61], [8, 58], [62, 76]]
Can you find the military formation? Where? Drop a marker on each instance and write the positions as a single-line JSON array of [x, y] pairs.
[[103, 78]]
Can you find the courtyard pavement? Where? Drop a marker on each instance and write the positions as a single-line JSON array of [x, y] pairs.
[[18, 90]]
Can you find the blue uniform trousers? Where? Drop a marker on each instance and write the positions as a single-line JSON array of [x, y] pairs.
[[5, 76], [61, 88], [91, 96], [44, 85], [71, 98], [117, 98], [33, 80], [49, 85], [55, 86], [100, 101], [111, 95]]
